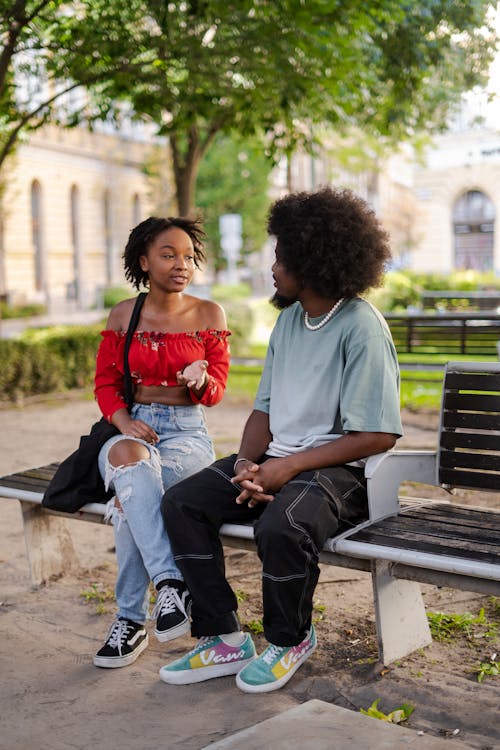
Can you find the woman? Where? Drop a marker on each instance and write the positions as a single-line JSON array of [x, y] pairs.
[[179, 359]]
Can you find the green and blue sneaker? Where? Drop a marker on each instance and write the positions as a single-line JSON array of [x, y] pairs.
[[274, 667], [211, 657]]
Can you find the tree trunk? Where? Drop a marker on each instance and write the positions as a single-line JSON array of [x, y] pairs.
[[186, 162], [187, 151]]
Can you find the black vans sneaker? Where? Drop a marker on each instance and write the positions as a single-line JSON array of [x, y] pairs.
[[172, 609], [125, 641]]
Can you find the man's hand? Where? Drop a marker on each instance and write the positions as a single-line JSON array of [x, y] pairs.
[[260, 482]]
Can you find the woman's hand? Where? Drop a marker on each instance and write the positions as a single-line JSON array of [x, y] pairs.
[[194, 375], [134, 427]]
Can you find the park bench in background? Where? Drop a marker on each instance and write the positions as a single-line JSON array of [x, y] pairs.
[[446, 333], [404, 542], [476, 300]]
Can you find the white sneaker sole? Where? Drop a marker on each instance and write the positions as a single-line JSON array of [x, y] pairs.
[[268, 687], [168, 635], [113, 662], [189, 676]]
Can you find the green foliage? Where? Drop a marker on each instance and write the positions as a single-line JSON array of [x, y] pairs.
[[489, 668], [255, 626], [114, 294], [398, 292], [229, 292], [98, 597], [243, 380], [48, 360], [402, 289], [395, 717], [240, 323], [234, 178], [446, 627], [8, 312], [223, 66]]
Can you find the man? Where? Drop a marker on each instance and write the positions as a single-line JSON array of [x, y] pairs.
[[328, 398]]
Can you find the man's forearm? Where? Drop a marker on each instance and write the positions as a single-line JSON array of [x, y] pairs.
[[350, 447], [256, 436]]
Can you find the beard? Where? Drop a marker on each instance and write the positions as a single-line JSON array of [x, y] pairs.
[[280, 302]]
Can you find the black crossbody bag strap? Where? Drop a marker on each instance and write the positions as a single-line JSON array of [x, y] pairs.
[[129, 396]]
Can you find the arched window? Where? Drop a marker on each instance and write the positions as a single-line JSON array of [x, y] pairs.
[[37, 235], [136, 210], [474, 224], [108, 244], [74, 286]]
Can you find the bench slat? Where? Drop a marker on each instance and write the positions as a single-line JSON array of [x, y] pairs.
[[438, 532]]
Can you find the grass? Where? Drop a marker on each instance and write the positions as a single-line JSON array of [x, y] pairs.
[[99, 597], [243, 381], [420, 389]]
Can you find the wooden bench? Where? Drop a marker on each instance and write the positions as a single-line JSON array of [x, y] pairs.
[[446, 333], [467, 301], [404, 542]]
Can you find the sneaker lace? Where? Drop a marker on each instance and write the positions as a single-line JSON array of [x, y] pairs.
[[167, 602], [118, 634], [271, 653], [205, 640]]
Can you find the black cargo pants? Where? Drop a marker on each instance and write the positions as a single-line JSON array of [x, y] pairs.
[[289, 532]]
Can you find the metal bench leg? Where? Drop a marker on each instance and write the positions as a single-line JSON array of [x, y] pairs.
[[48, 544], [402, 625]]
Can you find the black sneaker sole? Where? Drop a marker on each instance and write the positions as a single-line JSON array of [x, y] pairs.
[[168, 635], [113, 662]]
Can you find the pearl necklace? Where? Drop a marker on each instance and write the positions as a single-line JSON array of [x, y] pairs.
[[325, 320]]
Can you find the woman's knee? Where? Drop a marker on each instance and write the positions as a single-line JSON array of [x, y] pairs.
[[126, 452]]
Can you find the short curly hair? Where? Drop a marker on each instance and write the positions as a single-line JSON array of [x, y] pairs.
[[144, 234], [330, 240]]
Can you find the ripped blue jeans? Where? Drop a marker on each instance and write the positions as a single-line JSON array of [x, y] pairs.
[[143, 548]]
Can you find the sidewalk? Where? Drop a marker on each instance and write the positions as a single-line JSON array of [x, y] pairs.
[[11, 328], [53, 698]]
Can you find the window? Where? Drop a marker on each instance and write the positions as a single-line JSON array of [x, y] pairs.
[[136, 210], [36, 235], [74, 286], [473, 224], [108, 245]]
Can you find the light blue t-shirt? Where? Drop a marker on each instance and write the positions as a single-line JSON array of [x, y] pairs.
[[318, 385]]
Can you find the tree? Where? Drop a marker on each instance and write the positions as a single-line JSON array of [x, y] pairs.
[[197, 68], [234, 178], [38, 37], [390, 67]]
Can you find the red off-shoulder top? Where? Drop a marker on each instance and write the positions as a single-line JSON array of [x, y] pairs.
[[154, 359]]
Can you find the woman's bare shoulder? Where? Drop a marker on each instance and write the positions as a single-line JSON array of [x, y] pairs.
[[212, 314], [120, 314]]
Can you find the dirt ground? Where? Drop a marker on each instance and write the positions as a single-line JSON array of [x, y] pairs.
[[53, 698]]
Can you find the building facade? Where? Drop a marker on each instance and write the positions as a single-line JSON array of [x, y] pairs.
[[71, 198]]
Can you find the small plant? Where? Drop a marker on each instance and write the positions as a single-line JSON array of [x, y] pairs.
[[320, 609], [494, 604], [445, 627], [396, 716], [255, 626], [241, 595], [489, 668], [99, 597]]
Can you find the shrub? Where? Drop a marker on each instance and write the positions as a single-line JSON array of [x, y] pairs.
[[8, 312], [114, 294], [240, 321]]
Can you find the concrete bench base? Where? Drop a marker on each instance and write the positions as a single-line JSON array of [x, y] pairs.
[[317, 725]]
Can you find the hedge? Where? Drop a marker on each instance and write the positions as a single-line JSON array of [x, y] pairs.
[[50, 360]]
